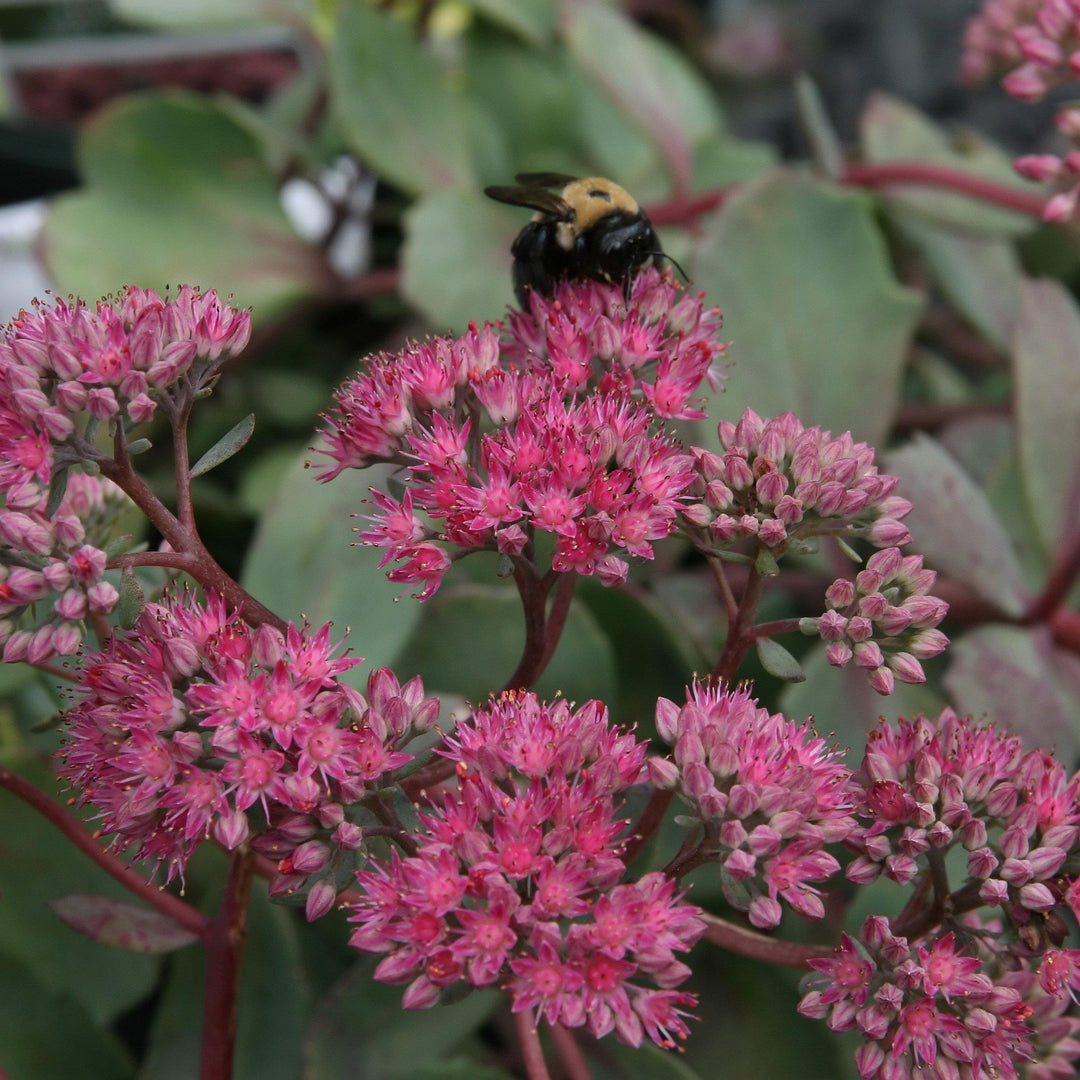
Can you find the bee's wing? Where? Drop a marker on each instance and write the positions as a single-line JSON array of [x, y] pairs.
[[534, 197], [544, 179]]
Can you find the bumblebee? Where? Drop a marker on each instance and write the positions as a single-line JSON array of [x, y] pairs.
[[592, 229]]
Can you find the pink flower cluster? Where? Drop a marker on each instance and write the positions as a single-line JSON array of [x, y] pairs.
[[1042, 39], [930, 785], [514, 882], [779, 481], [194, 724], [557, 428], [927, 1010], [770, 793], [885, 620], [109, 362], [55, 558]]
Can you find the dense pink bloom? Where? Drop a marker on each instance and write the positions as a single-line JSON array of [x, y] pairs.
[[52, 567], [885, 620], [779, 481], [773, 792], [936, 784], [194, 724], [515, 880], [556, 427]]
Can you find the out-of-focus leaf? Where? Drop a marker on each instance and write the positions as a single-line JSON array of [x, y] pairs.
[[232, 442], [892, 130], [649, 81], [456, 258], [470, 641], [45, 1033], [456, 1069], [202, 14], [395, 108], [954, 525], [979, 276], [843, 703], [121, 925], [819, 324], [1009, 674], [1047, 368], [272, 1012], [828, 154], [176, 191], [37, 866], [532, 20], [301, 564], [646, 1062], [361, 1030]]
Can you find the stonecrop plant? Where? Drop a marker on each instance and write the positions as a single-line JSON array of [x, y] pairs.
[[560, 875]]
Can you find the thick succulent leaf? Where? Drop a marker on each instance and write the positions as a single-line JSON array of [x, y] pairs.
[[818, 322], [176, 191], [1047, 369], [232, 442], [954, 525]]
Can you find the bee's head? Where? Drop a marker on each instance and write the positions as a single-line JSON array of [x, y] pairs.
[[590, 200]]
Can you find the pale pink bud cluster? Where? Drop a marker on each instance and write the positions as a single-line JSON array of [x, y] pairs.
[[885, 621], [935, 786], [515, 881], [771, 793], [52, 569], [931, 1009], [194, 724], [777, 481], [1040, 41], [554, 429], [110, 362]]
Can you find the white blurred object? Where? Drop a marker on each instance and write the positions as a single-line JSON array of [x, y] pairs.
[[22, 277], [338, 207]]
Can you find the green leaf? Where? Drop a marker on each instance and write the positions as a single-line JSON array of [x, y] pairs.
[[395, 107], [979, 276], [818, 323], [892, 130], [176, 191], [232, 442], [954, 525], [1015, 677], [646, 1062], [45, 1033], [120, 925], [132, 599], [272, 1010], [203, 14], [650, 82], [776, 660], [38, 865], [532, 20], [1047, 371], [300, 565], [456, 258], [471, 638], [825, 144], [361, 1030], [844, 705]]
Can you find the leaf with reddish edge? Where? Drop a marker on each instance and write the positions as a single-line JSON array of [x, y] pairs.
[[121, 925], [1047, 370], [891, 130], [954, 525], [818, 322], [1012, 675]]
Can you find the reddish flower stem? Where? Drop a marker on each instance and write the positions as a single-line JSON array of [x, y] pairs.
[[647, 824], [746, 942], [740, 633], [224, 951], [543, 629], [172, 906], [771, 629], [1059, 583], [569, 1053], [531, 1050]]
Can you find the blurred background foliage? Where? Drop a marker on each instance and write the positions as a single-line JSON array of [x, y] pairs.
[[324, 162]]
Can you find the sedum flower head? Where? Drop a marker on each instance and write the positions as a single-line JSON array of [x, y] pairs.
[[194, 724], [771, 794], [556, 427], [514, 882], [777, 481]]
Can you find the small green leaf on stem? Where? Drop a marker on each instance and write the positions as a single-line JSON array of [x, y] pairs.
[[230, 443], [765, 563], [776, 660], [119, 545], [57, 489], [132, 599], [848, 550], [139, 446]]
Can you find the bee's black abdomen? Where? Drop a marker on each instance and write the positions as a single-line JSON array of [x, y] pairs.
[[539, 262]]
